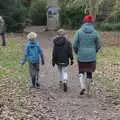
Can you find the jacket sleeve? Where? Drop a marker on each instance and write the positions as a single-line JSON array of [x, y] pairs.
[[24, 59], [75, 43], [41, 54], [98, 42], [70, 50], [53, 56]]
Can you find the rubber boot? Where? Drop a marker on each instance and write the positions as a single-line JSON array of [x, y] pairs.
[[88, 85], [82, 83]]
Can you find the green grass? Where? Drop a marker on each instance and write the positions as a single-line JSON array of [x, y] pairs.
[[108, 69], [14, 79], [10, 61], [11, 56]]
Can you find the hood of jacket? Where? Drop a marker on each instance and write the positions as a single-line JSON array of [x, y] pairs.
[[32, 43], [59, 41], [87, 28]]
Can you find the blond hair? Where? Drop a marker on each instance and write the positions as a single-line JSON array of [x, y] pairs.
[[61, 32], [32, 36]]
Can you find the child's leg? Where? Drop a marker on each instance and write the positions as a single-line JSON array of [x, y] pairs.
[[60, 72], [65, 77], [32, 74], [37, 75], [64, 74]]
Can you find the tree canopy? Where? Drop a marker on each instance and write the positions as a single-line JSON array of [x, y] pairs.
[[17, 12]]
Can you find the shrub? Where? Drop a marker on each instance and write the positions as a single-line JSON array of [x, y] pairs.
[[116, 27], [37, 12], [71, 17], [14, 14], [108, 26]]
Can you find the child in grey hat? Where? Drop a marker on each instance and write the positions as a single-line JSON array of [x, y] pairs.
[[62, 52]]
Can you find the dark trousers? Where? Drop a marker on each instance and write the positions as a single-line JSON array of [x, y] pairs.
[[89, 74], [3, 39], [34, 73]]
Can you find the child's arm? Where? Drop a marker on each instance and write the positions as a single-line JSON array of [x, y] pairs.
[[75, 43], [98, 42], [70, 52], [41, 55], [53, 57]]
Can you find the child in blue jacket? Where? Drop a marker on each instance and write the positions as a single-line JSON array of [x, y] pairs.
[[33, 53]]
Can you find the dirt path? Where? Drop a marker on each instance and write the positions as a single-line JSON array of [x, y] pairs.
[[51, 103]]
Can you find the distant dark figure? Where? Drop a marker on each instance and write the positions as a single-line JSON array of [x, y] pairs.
[[2, 31]]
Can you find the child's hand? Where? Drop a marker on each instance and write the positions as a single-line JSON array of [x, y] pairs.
[[53, 64], [21, 62], [43, 62]]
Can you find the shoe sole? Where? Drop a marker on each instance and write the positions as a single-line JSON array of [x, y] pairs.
[[37, 85], [65, 87], [82, 92]]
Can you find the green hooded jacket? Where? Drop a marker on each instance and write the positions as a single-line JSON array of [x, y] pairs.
[[87, 43]]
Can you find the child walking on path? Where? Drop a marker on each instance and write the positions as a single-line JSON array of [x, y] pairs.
[[62, 52], [33, 53]]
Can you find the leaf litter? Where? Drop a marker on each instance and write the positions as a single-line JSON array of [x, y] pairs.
[[18, 102]]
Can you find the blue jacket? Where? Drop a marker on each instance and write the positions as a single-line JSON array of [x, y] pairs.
[[87, 43], [26, 56]]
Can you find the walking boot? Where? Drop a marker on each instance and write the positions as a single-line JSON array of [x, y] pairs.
[[65, 87], [82, 84], [37, 85], [82, 91], [33, 81]]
